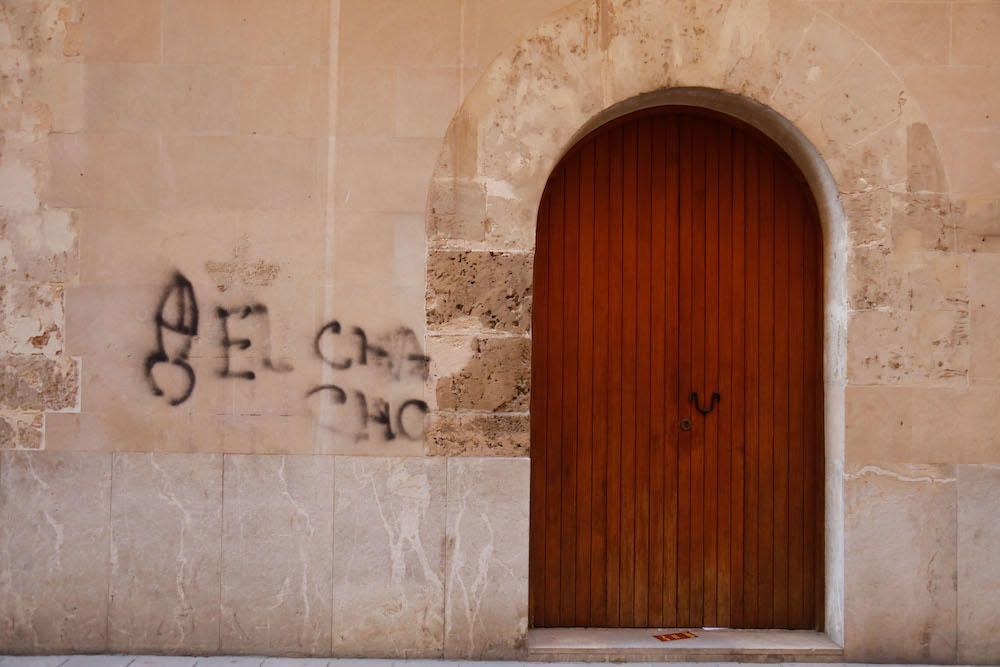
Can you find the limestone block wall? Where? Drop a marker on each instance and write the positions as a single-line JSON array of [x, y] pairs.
[[265, 300]]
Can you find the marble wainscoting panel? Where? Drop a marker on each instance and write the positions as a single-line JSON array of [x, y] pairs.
[[166, 553], [54, 538], [486, 585], [978, 564], [388, 557], [901, 563], [277, 566]]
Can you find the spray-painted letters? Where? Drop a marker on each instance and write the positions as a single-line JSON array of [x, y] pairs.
[[370, 407]]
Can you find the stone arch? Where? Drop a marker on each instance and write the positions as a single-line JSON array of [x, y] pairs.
[[816, 88]]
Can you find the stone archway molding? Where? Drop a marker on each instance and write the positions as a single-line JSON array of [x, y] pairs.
[[814, 87]]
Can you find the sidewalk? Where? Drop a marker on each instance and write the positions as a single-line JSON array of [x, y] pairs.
[[252, 661]]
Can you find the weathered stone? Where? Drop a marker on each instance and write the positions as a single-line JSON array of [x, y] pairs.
[[887, 347], [277, 572], [978, 224], [925, 221], [40, 245], [21, 430], [924, 169], [978, 566], [457, 434], [54, 535], [166, 542], [31, 318], [458, 212], [497, 377], [486, 610], [32, 382], [475, 290], [388, 557], [900, 536]]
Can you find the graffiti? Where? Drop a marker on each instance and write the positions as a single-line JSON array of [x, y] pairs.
[[391, 361], [229, 343], [176, 326], [395, 357], [399, 354]]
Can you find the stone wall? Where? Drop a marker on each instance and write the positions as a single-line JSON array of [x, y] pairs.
[[259, 394]]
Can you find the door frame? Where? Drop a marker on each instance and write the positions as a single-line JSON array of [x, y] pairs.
[[835, 307]]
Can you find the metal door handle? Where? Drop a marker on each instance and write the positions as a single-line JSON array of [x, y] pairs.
[[716, 398]]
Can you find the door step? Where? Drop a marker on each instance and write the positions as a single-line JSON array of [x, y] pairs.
[[717, 645]]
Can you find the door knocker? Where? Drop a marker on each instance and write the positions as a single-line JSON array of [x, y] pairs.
[[716, 398]]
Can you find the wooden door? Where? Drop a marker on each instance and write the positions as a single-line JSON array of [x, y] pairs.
[[678, 251]]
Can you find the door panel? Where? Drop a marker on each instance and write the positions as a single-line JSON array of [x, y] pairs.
[[678, 251]]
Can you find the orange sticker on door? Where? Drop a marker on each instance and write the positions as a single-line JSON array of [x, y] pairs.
[[674, 636]]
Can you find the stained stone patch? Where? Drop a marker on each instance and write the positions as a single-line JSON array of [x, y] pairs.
[[457, 434], [31, 382], [459, 211], [924, 169], [978, 224], [479, 290], [21, 431], [925, 220], [497, 378]]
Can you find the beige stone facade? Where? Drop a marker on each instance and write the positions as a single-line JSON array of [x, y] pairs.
[[351, 187]]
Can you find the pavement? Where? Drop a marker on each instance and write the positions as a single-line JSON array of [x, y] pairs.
[[252, 661]]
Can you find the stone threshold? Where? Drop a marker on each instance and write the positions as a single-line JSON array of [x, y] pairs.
[[714, 645]]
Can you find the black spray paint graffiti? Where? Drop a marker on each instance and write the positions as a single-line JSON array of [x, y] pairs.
[[397, 356], [176, 314], [228, 342]]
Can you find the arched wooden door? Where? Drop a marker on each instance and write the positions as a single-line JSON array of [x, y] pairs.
[[678, 252]]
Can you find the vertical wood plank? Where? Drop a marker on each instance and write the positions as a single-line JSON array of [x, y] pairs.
[[570, 365], [599, 490], [752, 382], [685, 520], [615, 371], [699, 528], [644, 200], [738, 404], [539, 334], [724, 446], [710, 384], [553, 458], [796, 434], [782, 192], [765, 425], [629, 368], [585, 378], [672, 266], [658, 266]]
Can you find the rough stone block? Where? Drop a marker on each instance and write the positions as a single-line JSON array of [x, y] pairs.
[[479, 290], [21, 430], [496, 378], [456, 434], [32, 382], [31, 318], [40, 246]]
